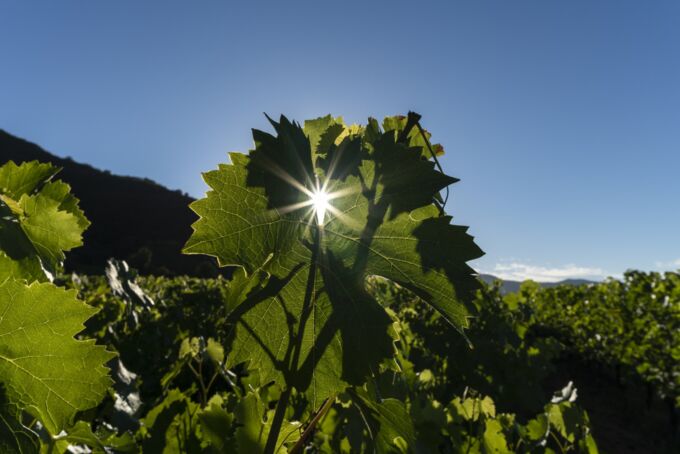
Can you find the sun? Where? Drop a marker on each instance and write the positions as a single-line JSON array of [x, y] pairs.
[[320, 202]]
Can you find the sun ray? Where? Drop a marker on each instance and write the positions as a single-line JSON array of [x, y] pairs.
[[343, 192], [320, 195], [276, 170], [344, 219], [294, 207], [309, 224], [331, 169]]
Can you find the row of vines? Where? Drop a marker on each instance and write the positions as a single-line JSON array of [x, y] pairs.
[[630, 326]]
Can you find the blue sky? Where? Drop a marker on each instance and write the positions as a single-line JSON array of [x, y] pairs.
[[562, 118]]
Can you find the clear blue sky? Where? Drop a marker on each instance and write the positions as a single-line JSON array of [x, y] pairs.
[[562, 118]]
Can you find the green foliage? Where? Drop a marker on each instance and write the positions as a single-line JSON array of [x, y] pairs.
[[301, 349], [632, 326], [329, 337], [255, 424], [171, 426], [47, 376], [307, 322], [474, 426], [81, 437], [387, 426], [185, 308], [39, 221], [511, 364], [222, 425], [404, 408], [217, 424]]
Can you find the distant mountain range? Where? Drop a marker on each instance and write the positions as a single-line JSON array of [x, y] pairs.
[[513, 286], [132, 218]]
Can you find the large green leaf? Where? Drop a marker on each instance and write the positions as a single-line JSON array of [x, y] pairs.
[[313, 325], [44, 370], [39, 221]]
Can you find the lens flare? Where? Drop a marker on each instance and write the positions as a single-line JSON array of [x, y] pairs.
[[320, 199]]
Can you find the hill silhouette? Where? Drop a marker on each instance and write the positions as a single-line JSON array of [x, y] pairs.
[[132, 218]]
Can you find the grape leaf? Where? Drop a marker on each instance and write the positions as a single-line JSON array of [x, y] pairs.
[[313, 325], [79, 436], [44, 370], [16, 180], [39, 221], [217, 426], [494, 439]]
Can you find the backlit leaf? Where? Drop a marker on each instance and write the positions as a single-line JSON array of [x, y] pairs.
[[313, 325]]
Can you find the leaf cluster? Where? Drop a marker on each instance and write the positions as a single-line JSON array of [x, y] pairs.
[[47, 376]]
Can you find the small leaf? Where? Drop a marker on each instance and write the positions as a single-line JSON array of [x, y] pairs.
[[537, 428], [217, 426], [214, 351], [494, 438]]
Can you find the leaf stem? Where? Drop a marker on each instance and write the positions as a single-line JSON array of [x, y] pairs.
[[307, 307], [312, 424], [436, 161], [277, 422]]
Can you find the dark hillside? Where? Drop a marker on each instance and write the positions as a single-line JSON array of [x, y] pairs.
[[132, 218]]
